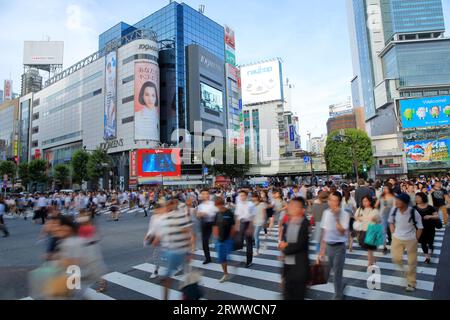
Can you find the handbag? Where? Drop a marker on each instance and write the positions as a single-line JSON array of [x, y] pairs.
[[357, 225], [319, 273], [190, 287], [374, 235]]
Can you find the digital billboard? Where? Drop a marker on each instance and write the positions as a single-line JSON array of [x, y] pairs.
[[430, 152], [110, 114], [159, 162], [211, 98], [146, 101], [230, 38], [425, 112], [261, 82], [43, 52]]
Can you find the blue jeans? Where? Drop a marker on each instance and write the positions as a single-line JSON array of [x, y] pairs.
[[256, 236], [175, 259]]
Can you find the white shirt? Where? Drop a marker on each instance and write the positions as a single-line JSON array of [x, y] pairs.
[[42, 202], [244, 211], [208, 209], [154, 226], [404, 228], [328, 223]]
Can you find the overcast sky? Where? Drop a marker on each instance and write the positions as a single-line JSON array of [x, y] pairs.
[[310, 36]]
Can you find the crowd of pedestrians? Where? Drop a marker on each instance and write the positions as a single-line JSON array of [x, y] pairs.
[[390, 216]]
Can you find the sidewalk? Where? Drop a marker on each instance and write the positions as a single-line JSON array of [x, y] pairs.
[[442, 280]]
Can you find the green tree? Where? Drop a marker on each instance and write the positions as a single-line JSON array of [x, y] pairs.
[[79, 163], [9, 168], [61, 173], [24, 174], [37, 171], [344, 154], [97, 166], [234, 169]]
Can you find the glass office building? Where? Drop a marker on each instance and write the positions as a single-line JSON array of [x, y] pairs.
[[411, 16], [419, 64], [177, 26]]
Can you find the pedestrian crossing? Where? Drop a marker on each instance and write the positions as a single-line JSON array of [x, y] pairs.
[[262, 280]]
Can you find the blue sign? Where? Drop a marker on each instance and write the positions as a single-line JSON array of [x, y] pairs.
[[291, 133], [306, 159], [425, 112], [205, 170]]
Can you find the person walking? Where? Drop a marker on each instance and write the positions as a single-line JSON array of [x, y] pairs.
[[206, 211], [154, 229], [430, 218], [296, 272], [259, 219], [317, 209], [334, 226], [244, 215], [406, 228], [362, 191], [223, 230], [440, 198], [2, 221], [363, 217], [349, 205], [142, 203], [385, 204]]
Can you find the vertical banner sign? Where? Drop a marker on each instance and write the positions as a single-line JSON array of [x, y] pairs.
[[146, 101], [111, 96], [7, 90], [133, 164]]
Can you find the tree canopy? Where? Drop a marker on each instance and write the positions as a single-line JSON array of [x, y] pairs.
[[79, 164]]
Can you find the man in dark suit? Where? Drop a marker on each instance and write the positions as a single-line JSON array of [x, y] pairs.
[[296, 270]]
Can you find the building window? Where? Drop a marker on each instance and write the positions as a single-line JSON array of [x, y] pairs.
[[97, 92], [127, 79], [36, 116], [127, 120], [127, 99], [35, 130], [139, 57], [36, 102], [34, 144]]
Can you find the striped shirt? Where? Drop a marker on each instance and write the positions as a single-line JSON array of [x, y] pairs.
[[174, 235]]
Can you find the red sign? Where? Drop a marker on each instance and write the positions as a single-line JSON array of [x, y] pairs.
[[7, 90], [159, 162], [37, 154], [230, 37], [133, 164]]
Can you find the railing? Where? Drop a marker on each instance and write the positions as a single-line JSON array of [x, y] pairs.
[[110, 46]]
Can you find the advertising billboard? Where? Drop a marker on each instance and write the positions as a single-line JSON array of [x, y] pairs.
[[43, 52], [211, 98], [230, 38], [7, 90], [159, 162], [425, 112], [230, 57], [427, 149], [110, 114], [261, 82], [146, 101], [133, 164], [293, 139]]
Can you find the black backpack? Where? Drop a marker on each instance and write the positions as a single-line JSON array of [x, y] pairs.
[[412, 216]]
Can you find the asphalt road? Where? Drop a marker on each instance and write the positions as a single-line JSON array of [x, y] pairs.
[[20, 253]]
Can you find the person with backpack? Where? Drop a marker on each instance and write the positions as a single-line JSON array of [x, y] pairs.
[[440, 198], [431, 221], [406, 228]]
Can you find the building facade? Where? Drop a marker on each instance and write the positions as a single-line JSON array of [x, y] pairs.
[[399, 52], [9, 119]]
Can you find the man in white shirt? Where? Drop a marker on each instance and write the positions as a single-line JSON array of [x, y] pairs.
[[244, 216], [406, 228], [207, 213]]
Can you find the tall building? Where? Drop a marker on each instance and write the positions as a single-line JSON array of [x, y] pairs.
[[398, 52], [31, 81], [177, 26], [263, 109], [9, 115], [343, 121], [341, 108], [317, 144]]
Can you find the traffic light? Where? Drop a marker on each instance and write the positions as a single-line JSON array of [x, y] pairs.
[[364, 167]]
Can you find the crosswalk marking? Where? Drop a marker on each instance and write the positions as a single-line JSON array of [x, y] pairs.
[[267, 268], [229, 287], [141, 286]]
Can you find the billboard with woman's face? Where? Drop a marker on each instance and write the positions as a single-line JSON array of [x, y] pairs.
[[146, 101], [110, 117]]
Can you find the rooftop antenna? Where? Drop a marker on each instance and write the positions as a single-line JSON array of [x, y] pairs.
[[201, 8]]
